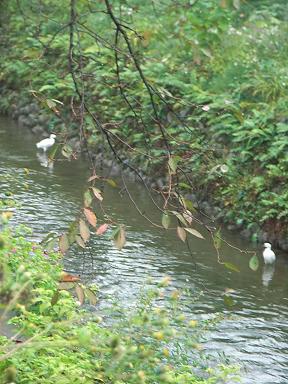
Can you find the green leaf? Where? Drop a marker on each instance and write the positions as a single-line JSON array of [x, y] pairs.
[[236, 4], [111, 182], [217, 239], [53, 151], [72, 231], [187, 204], [49, 237], [232, 267], [51, 104], [58, 101], [119, 237], [185, 186], [87, 198], [228, 301], [50, 245], [46, 87], [173, 163], [254, 263], [194, 232], [67, 151], [180, 217], [55, 297], [165, 220]]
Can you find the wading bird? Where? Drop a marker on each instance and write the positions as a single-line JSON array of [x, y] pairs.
[[268, 255], [46, 143]]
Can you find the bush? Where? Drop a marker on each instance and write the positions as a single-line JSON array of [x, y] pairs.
[[56, 341]]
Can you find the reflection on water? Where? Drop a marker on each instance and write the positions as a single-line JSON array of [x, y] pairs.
[[44, 161], [256, 334], [267, 275]]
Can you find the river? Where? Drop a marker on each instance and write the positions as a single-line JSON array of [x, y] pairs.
[[255, 337]]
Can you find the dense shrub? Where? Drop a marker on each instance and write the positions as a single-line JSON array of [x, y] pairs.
[[220, 73]]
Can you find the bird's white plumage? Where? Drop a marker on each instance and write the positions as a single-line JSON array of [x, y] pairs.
[[268, 255], [46, 143]]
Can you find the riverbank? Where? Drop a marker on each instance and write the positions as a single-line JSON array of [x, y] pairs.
[[29, 115]]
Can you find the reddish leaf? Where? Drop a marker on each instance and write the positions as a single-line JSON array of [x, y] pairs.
[[91, 296], [194, 232], [181, 233], [68, 278], [90, 216], [188, 216], [66, 286], [91, 178], [102, 229], [80, 293], [63, 243], [80, 241], [84, 230]]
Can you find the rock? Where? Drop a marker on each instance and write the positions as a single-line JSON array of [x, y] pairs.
[[25, 110], [75, 143], [109, 163], [22, 121], [22, 111], [205, 206], [246, 233], [232, 227], [159, 183], [33, 108], [15, 114], [31, 120], [43, 119], [192, 197], [283, 244], [38, 129], [263, 237]]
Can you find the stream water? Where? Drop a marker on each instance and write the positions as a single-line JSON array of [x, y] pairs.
[[256, 336]]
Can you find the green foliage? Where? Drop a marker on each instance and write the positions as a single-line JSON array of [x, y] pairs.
[[151, 342]]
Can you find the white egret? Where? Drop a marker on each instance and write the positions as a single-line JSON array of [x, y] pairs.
[[268, 255], [46, 143]]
